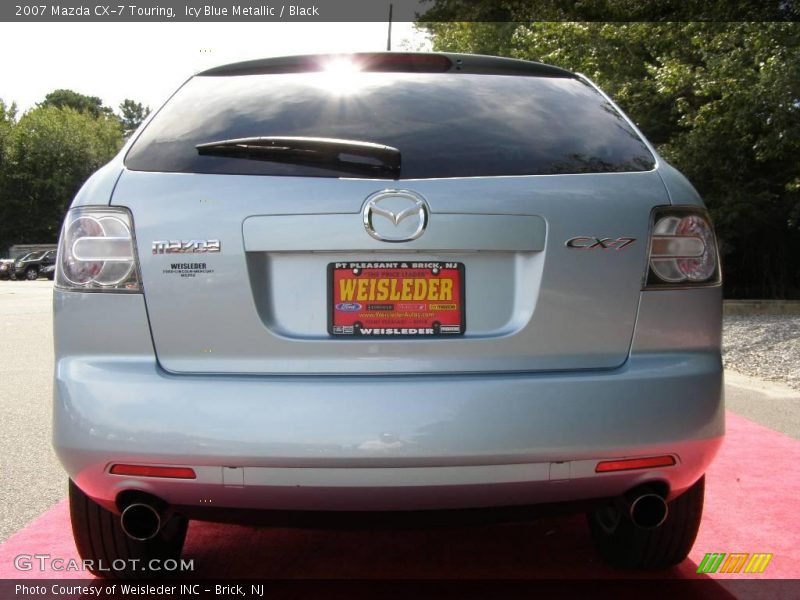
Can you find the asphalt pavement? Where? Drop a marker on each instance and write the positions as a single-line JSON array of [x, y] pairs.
[[32, 479]]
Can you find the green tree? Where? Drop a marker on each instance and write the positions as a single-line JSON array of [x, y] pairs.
[[50, 152], [610, 10], [80, 102], [7, 121], [8, 115], [721, 101], [131, 115]]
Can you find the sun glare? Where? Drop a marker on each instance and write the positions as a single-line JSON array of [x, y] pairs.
[[340, 76]]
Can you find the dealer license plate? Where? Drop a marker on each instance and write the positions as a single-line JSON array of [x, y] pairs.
[[396, 299]]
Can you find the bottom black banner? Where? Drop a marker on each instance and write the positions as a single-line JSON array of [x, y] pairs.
[[253, 589]]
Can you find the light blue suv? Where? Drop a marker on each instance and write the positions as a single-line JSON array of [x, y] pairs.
[[321, 285]]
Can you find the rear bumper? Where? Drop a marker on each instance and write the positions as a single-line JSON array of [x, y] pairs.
[[386, 443]]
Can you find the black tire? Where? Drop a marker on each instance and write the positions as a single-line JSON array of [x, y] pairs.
[[99, 538], [31, 273], [624, 545]]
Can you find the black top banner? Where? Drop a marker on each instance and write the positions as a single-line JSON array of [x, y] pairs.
[[401, 10], [208, 11]]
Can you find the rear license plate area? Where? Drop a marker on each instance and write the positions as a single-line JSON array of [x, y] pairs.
[[396, 299]]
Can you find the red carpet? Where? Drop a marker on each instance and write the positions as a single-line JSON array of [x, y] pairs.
[[751, 506]]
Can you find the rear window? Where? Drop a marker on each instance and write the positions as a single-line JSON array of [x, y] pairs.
[[445, 125]]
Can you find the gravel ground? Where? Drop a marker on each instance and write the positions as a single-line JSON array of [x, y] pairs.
[[767, 347]]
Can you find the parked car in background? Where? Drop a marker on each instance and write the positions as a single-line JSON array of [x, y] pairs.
[[6, 267], [387, 282], [30, 266], [48, 271]]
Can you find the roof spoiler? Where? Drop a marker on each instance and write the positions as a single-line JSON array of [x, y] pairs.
[[393, 62]]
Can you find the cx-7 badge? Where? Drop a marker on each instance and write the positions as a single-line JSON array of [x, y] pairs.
[[594, 243]]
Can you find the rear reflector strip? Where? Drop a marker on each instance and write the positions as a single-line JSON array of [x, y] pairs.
[[149, 471], [629, 464]]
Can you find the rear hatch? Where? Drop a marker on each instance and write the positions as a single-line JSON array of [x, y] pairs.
[[509, 169]]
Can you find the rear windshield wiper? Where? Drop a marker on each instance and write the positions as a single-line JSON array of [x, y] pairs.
[[351, 156]]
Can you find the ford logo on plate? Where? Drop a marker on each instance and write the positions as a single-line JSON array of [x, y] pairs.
[[348, 306]]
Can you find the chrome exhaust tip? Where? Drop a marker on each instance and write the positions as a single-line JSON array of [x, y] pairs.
[[140, 521], [648, 511]]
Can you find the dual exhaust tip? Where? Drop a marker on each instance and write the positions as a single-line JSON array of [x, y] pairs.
[[141, 521], [647, 510]]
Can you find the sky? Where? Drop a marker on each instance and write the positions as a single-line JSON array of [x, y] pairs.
[[146, 62]]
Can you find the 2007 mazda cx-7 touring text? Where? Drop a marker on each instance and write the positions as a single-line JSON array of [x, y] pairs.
[[387, 283]]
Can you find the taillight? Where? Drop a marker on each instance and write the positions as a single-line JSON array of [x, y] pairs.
[[683, 249], [97, 251]]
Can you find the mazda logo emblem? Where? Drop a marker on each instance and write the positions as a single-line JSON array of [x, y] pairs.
[[395, 216]]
